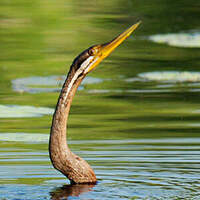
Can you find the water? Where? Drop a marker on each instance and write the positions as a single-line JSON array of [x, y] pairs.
[[140, 168], [135, 119]]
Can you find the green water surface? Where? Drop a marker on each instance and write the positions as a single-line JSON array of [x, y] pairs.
[[141, 137]]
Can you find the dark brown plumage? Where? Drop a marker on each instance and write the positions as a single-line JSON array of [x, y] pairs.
[[72, 166]]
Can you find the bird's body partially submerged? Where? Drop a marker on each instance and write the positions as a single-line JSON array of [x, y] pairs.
[[72, 166], [75, 168]]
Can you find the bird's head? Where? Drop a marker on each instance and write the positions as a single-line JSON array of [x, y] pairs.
[[91, 57]]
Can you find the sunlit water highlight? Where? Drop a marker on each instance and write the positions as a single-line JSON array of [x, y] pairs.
[[24, 137], [38, 84], [189, 40], [17, 111], [163, 81], [170, 76]]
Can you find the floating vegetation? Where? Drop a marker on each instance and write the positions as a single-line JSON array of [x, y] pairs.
[[191, 40], [37, 84], [16, 111]]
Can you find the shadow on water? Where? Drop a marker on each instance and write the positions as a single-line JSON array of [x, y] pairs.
[[67, 191]]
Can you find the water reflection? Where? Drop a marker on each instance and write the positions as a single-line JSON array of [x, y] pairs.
[[67, 191], [18, 111], [142, 135], [139, 168], [170, 76], [37, 84], [24, 137], [191, 40], [158, 82]]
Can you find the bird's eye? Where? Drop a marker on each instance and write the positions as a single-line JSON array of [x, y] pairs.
[[92, 52]]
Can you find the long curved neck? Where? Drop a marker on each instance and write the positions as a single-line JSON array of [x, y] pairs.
[[57, 142], [72, 166], [59, 123]]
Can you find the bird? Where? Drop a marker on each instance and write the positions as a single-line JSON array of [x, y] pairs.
[[75, 168]]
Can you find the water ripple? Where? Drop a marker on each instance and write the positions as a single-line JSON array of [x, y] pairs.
[[143, 168]]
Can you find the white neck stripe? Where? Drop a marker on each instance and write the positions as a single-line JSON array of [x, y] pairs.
[[84, 65]]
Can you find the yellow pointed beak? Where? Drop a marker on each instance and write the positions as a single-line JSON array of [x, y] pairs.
[[107, 48]]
